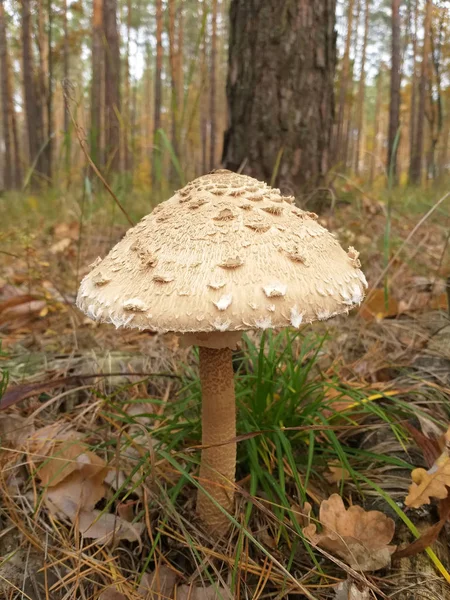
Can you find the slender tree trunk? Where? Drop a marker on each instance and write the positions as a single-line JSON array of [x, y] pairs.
[[7, 164], [280, 93], [42, 78], [361, 90], [156, 161], [413, 105], [127, 111], [174, 71], [204, 95], [436, 54], [14, 127], [33, 109], [212, 88], [417, 159], [343, 87], [394, 106], [65, 84], [180, 54], [96, 84], [112, 86], [376, 127], [49, 147]]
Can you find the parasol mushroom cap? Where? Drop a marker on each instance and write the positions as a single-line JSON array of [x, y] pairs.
[[226, 254]]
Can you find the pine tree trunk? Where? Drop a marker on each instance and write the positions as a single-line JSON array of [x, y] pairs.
[[174, 71], [204, 102], [42, 79], [376, 127], [156, 158], [7, 163], [49, 146], [212, 88], [14, 128], [65, 84], [180, 54], [343, 86], [33, 108], [394, 106], [413, 105], [280, 92], [361, 90], [127, 107], [417, 158], [112, 86], [96, 85]]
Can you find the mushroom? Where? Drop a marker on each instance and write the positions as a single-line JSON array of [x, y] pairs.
[[211, 277]]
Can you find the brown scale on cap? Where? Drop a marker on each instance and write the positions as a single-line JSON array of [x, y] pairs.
[[242, 236]]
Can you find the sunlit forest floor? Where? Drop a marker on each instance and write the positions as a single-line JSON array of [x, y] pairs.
[[345, 407]]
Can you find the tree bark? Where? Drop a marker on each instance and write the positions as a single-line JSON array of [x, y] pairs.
[[376, 126], [49, 146], [127, 108], [96, 85], [212, 88], [343, 85], [42, 80], [112, 86], [417, 158], [394, 106], [7, 164], [413, 105], [156, 158], [174, 72], [33, 109], [280, 92], [361, 89]]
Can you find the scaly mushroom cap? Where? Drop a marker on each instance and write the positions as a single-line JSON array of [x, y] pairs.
[[226, 253]]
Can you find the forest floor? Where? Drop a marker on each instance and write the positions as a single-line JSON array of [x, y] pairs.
[[341, 410]]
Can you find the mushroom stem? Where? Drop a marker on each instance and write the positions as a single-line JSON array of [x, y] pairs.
[[218, 462]]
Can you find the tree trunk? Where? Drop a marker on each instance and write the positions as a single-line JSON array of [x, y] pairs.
[[33, 109], [7, 164], [436, 54], [66, 55], [127, 107], [204, 102], [413, 105], [280, 92], [49, 146], [174, 104], [42, 79], [14, 128], [156, 161], [343, 85], [96, 85], [180, 50], [376, 127], [417, 158], [212, 87], [361, 89], [112, 86], [394, 106]]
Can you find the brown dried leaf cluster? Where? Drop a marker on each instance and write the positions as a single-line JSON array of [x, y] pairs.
[[74, 481], [358, 537]]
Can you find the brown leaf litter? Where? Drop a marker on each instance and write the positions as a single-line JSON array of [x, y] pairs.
[[358, 537]]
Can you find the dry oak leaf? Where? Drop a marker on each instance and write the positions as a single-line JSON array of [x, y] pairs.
[[429, 484], [358, 537]]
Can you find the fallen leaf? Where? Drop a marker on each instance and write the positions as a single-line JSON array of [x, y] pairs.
[[15, 430], [60, 246], [210, 592], [350, 590], [68, 457], [158, 584], [111, 593], [375, 308], [336, 473], [75, 493], [358, 537], [105, 527], [429, 484]]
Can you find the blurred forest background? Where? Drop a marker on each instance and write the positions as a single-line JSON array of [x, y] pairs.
[[141, 87]]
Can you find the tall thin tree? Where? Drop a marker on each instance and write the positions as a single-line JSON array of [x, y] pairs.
[[96, 83], [7, 163], [417, 158], [112, 86], [413, 103], [212, 87], [361, 90], [33, 108], [66, 58], [394, 105], [174, 73], [343, 85], [158, 91]]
